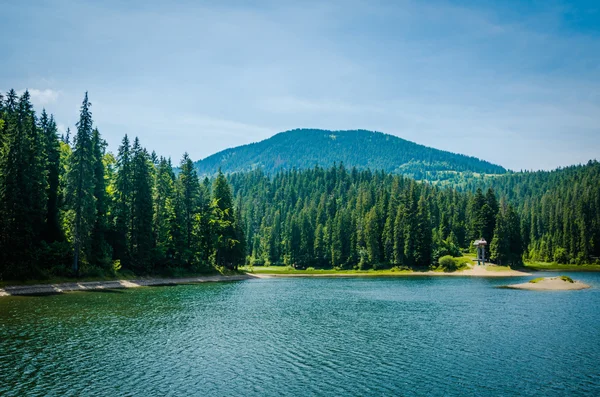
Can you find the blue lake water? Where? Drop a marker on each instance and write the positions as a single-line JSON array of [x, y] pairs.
[[305, 337]]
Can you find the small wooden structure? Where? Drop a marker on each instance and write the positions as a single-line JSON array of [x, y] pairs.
[[480, 244]]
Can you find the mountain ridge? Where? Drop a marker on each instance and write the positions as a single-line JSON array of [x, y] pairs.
[[306, 148]]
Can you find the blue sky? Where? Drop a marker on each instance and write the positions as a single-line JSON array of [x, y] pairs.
[[515, 83]]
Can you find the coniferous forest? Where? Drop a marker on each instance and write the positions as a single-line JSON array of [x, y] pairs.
[[68, 207]]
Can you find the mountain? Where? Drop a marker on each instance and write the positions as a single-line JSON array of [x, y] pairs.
[[305, 148]]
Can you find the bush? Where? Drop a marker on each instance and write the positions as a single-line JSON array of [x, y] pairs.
[[56, 258], [567, 279], [447, 262], [116, 266], [561, 256]]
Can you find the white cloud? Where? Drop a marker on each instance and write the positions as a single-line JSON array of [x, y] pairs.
[[41, 97]]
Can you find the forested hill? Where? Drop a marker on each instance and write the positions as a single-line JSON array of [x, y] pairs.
[[305, 148]]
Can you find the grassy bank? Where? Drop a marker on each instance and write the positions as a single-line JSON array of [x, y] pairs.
[[544, 266], [460, 264], [289, 270]]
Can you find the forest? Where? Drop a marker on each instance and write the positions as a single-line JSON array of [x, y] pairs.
[[70, 208], [67, 207], [306, 148]]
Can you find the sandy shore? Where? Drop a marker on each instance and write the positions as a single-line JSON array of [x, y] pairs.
[[550, 284], [475, 271], [47, 289]]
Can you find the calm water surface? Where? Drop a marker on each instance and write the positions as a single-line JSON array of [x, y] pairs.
[[303, 337]]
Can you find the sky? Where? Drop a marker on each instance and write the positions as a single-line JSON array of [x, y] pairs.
[[516, 83]]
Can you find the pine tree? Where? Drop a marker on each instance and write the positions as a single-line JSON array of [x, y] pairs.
[[188, 187], [23, 182], [16, 234], [53, 231], [399, 228], [100, 250], [164, 212], [411, 227], [500, 245], [123, 205], [423, 247], [142, 237], [227, 253], [80, 188], [372, 236], [476, 219], [507, 245]]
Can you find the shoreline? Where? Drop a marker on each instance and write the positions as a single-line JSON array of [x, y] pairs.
[[471, 272], [59, 288]]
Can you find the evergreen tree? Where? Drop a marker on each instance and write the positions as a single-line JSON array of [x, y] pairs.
[[372, 236], [123, 203], [423, 246], [189, 201], [53, 231], [80, 188], [100, 250], [166, 228], [141, 235], [227, 253], [476, 219]]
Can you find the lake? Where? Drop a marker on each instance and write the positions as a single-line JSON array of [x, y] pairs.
[[305, 337]]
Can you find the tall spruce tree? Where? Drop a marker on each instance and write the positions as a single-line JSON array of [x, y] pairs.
[[166, 228], [423, 248], [80, 188], [100, 250], [227, 253], [142, 238], [123, 203], [188, 186], [53, 231]]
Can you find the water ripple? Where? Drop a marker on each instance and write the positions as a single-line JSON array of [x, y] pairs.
[[303, 337]]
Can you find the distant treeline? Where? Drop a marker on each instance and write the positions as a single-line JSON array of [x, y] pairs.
[[67, 207], [339, 218], [560, 211], [345, 218]]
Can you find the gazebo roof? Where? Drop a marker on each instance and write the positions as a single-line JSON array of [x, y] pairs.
[[479, 242]]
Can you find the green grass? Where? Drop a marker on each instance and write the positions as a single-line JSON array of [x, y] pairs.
[[291, 270], [563, 278], [557, 266], [536, 280], [496, 268], [461, 263]]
